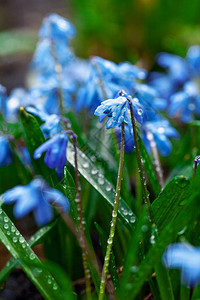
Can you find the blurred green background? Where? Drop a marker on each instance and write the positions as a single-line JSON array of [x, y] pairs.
[[118, 30]]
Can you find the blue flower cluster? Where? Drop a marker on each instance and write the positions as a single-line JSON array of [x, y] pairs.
[[179, 85], [37, 196], [186, 258]]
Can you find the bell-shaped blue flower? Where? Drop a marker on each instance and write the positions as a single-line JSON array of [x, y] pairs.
[[160, 131], [5, 153], [185, 258], [117, 111], [185, 103], [57, 28], [55, 149], [37, 196]]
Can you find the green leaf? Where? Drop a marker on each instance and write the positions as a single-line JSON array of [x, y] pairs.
[[189, 213], [171, 201], [88, 170], [13, 42], [112, 265], [70, 191], [22, 252], [149, 169], [34, 240], [34, 138]]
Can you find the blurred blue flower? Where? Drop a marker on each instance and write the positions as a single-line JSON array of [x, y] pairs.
[[148, 96], [17, 98], [57, 28], [111, 76], [36, 196], [6, 152], [187, 259], [163, 83], [55, 149], [160, 131], [185, 103], [43, 59], [193, 58], [117, 111], [177, 66]]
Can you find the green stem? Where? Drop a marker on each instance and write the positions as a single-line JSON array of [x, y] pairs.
[[114, 218], [140, 166], [58, 70]]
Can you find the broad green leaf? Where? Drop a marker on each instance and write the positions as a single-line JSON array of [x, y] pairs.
[[91, 173], [149, 169], [190, 212], [22, 252], [171, 201], [34, 240]]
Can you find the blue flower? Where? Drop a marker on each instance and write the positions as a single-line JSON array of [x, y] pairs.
[[185, 103], [187, 259], [6, 152], [55, 149], [57, 28], [177, 66], [117, 111], [36, 196], [193, 58], [114, 77], [43, 59], [160, 131], [148, 96]]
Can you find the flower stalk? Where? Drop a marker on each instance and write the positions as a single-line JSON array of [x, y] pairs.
[[114, 218], [140, 166], [82, 240]]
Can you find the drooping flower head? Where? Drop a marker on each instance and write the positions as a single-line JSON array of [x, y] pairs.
[[117, 111], [186, 258], [37, 196], [55, 149]]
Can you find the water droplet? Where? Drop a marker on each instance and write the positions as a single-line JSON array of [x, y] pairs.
[[132, 219], [108, 188], [37, 272], [152, 239], [17, 232], [134, 269], [14, 239], [21, 239], [32, 256], [140, 111], [182, 231], [125, 212], [55, 286], [130, 213], [144, 228], [13, 229], [94, 171], [86, 164], [101, 180], [8, 232], [8, 247], [23, 245], [93, 158], [6, 219], [110, 241], [114, 214], [6, 226], [49, 281]]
